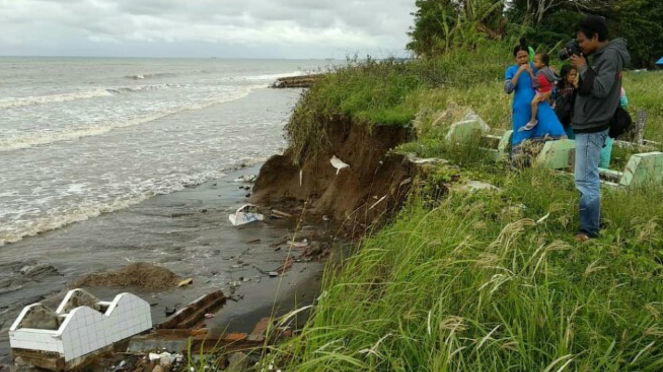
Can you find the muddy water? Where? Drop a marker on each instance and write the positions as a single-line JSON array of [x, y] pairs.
[[187, 232]]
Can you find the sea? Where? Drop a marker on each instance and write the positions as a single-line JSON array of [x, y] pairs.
[[85, 136]]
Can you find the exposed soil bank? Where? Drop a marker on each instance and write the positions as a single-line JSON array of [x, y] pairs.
[[373, 184]]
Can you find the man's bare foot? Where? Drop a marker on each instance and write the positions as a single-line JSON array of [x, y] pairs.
[[581, 237]]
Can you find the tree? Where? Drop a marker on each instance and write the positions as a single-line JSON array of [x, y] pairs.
[[441, 25]]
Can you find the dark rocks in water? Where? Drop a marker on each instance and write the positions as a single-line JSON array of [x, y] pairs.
[[304, 81], [39, 271], [248, 195], [170, 311]]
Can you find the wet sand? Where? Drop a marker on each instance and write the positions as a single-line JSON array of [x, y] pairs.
[[187, 232]]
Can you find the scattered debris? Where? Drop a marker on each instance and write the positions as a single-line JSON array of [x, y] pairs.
[[185, 282], [338, 164], [246, 214], [303, 244], [377, 202], [542, 219], [286, 266], [280, 214], [273, 274], [194, 312], [209, 316], [247, 179], [254, 241]]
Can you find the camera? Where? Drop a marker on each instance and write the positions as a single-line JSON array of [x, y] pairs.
[[570, 49]]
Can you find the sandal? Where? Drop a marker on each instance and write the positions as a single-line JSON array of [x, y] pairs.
[[581, 237]]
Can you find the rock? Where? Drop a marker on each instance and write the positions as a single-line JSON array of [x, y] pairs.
[[39, 271], [238, 362], [40, 317], [273, 274], [158, 368], [472, 186], [82, 298], [248, 195]]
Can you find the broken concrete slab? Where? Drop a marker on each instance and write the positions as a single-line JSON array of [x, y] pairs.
[[83, 332]]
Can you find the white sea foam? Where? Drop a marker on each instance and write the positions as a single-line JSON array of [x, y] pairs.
[[16, 102], [141, 88], [150, 76], [21, 142], [147, 189]]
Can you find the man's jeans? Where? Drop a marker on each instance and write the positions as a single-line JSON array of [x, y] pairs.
[[588, 155]]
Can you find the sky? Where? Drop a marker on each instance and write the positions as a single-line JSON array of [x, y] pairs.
[[298, 29]]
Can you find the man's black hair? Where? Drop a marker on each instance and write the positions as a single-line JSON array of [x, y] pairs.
[[594, 24], [545, 58]]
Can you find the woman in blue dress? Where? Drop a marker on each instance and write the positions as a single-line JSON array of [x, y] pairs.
[[518, 79]]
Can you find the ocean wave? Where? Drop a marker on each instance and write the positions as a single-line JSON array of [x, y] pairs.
[[52, 98], [21, 142], [149, 189], [150, 76], [141, 88], [16, 102]]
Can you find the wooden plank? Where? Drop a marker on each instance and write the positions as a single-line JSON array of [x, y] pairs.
[[194, 312]]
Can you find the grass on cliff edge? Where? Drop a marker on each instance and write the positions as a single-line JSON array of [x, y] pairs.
[[392, 93], [474, 283]]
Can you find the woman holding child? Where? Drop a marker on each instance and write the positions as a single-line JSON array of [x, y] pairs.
[[519, 79]]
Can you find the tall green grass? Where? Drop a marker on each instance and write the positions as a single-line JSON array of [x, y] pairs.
[[484, 281], [476, 284]]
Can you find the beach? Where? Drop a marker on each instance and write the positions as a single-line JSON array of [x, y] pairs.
[[155, 186]]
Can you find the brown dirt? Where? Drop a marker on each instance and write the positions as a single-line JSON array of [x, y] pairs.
[[137, 275], [350, 196]]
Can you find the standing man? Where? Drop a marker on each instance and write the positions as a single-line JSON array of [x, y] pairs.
[[596, 104]]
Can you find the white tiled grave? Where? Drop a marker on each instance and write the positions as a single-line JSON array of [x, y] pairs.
[[84, 329]]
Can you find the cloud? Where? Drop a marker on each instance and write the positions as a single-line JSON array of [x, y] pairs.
[[308, 28]]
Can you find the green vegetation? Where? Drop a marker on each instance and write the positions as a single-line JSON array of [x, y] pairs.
[[444, 25], [490, 280], [475, 284]]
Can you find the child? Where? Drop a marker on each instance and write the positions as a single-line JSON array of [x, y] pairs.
[[545, 79], [566, 91]]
